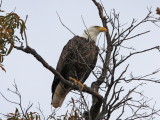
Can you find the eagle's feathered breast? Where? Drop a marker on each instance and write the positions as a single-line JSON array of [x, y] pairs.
[[77, 60]]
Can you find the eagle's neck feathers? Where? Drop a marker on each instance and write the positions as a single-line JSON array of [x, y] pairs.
[[91, 35]]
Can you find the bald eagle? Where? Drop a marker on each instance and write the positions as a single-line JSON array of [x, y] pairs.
[[77, 60]]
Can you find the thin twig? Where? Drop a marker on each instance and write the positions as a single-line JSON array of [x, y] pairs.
[[8, 99], [64, 24], [131, 54], [39, 108], [87, 33], [25, 35]]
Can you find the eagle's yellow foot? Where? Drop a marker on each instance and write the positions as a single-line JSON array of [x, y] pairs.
[[76, 82], [81, 84]]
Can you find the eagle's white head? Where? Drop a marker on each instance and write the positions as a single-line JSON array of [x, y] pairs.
[[92, 32]]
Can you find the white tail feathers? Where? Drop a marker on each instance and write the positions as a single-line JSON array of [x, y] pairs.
[[59, 95]]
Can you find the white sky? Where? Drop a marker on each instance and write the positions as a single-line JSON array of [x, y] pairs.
[[47, 36]]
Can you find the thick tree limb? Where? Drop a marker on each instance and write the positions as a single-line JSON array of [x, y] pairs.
[[110, 63], [51, 69], [95, 85]]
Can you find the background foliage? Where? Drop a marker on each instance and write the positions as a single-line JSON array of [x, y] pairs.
[[9, 23]]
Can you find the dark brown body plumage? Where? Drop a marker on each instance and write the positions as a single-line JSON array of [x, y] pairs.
[[77, 60]]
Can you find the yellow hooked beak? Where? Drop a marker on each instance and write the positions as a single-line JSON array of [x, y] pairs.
[[102, 29]]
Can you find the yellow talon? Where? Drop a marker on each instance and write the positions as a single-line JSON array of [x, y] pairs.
[[81, 84], [76, 82]]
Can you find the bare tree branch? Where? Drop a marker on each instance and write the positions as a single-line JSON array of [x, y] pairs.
[[51, 69], [131, 54]]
